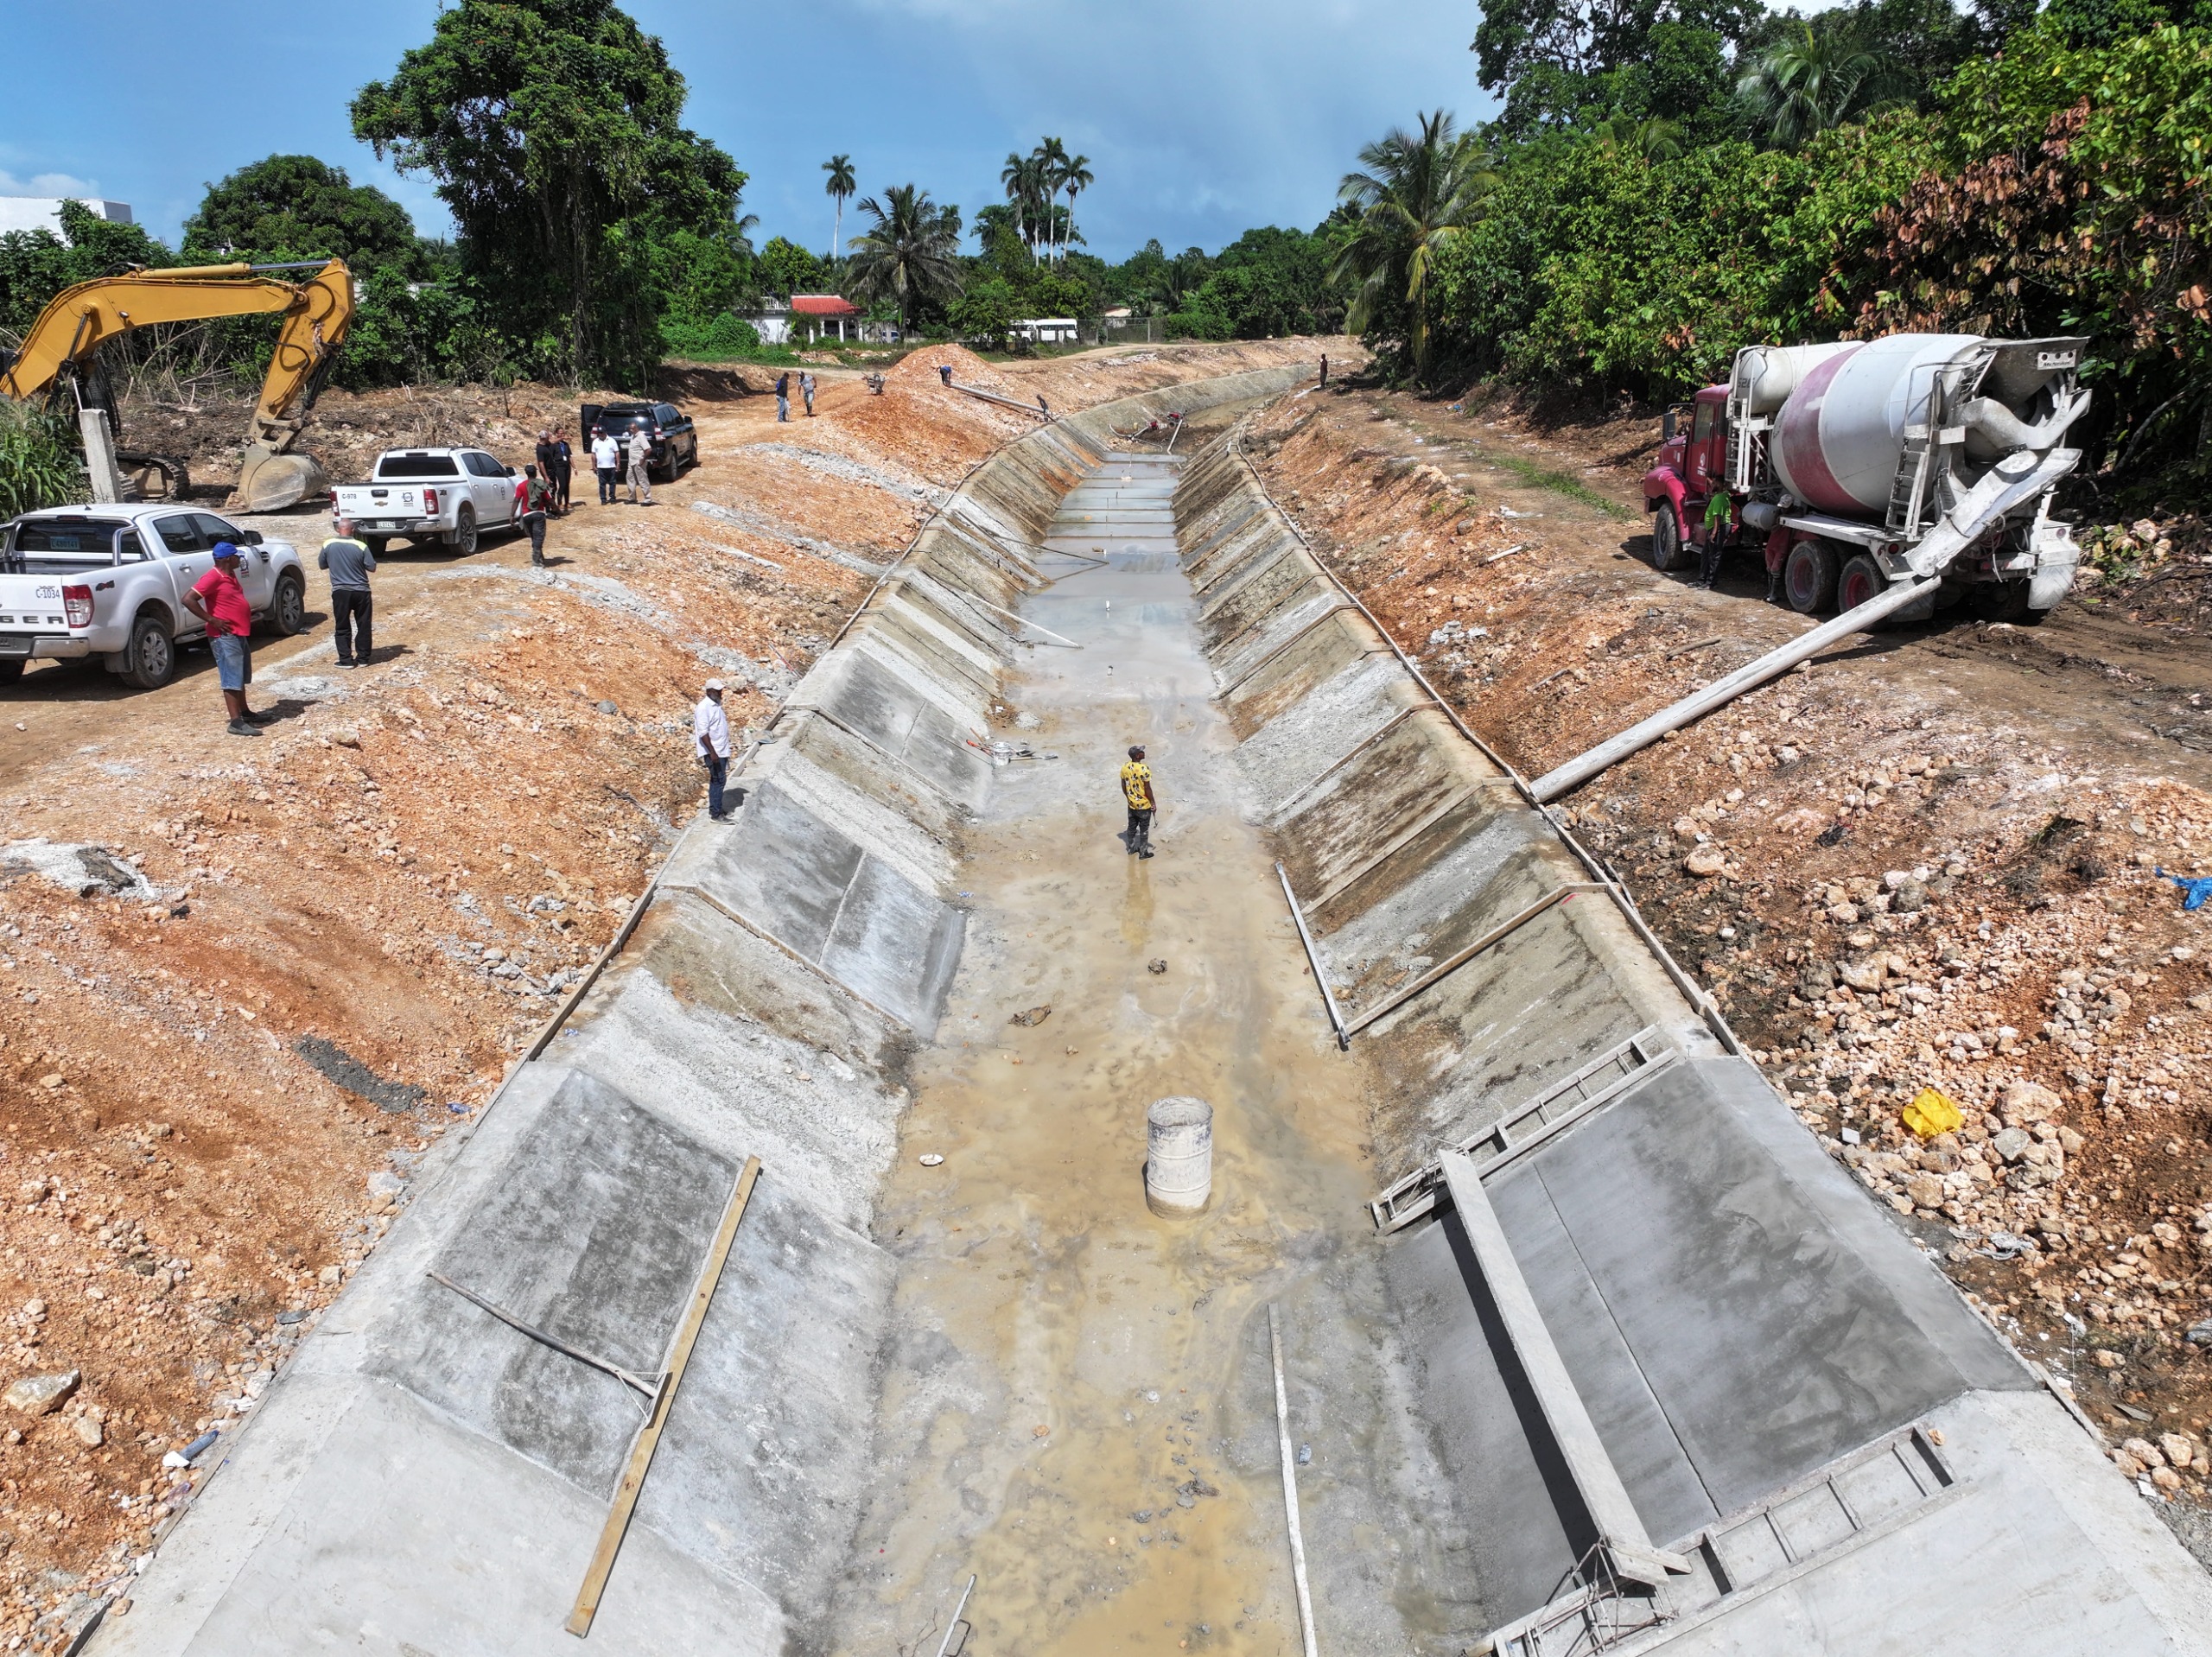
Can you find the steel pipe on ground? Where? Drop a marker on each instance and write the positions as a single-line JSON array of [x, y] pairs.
[[1610, 753]]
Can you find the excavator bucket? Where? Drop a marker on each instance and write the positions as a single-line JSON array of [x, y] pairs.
[[269, 481]]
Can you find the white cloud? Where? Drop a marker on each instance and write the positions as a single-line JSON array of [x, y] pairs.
[[49, 184]]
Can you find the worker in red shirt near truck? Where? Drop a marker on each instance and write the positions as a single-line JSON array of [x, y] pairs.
[[219, 599]]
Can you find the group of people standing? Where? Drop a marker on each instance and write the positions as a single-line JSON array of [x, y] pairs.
[[784, 393], [612, 455]]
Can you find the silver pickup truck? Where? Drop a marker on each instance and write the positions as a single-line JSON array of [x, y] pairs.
[[434, 497], [109, 580]]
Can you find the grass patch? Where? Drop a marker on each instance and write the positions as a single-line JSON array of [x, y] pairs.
[[1559, 483]]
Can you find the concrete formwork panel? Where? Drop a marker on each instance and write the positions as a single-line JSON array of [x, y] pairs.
[[1295, 749], [939, 805], [1344, 641], [1389, 786], [825, 896], [870, 698]]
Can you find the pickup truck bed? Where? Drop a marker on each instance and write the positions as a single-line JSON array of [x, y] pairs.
[[109, 580], [433, 497]]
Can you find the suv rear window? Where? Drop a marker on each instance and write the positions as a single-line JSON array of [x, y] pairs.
[[90, 537], [415, 463]]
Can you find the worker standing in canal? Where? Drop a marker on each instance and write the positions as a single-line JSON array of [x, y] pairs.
[[1136, 790]]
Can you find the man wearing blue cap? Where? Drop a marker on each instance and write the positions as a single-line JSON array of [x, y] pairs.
[[219, 599]]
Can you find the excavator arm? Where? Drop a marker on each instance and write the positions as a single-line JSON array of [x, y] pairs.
[[316, 314]]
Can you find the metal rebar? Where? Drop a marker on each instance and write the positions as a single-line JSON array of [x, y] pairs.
[[1313, 960], [1289, 1490]]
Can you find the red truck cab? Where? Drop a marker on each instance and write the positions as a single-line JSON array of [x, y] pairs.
[[1690, 465]]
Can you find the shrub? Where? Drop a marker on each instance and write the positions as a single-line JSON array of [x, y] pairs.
[[1197, 325], [39, 464]]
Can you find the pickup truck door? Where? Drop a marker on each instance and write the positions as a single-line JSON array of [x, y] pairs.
[[188, 554], [494, 491], [255, 574]]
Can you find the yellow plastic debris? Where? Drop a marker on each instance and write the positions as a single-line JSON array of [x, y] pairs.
[[1933, 1111]]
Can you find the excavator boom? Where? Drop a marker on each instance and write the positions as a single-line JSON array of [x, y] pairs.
[[316, 314]]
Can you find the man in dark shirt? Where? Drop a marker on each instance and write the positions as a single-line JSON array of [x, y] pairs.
[[349, 562]]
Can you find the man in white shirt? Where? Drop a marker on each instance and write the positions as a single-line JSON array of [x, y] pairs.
[[607, 460], [710, 736]]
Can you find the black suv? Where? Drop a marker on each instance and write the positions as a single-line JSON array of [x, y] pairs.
[[675, 441]]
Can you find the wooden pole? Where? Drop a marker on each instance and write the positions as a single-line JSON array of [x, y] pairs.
[[641, 1453]]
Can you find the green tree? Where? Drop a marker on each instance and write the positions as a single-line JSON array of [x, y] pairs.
[[789, 269], [1051, 156], [910, 252], [1807, 82], [36, 264], [1418, 195], [297, 207], [1561, 62], [983, 312], [839, 169], [554, 129], [1074, 178]]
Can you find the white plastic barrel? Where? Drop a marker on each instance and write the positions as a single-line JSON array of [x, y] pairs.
[[1178, 1156]]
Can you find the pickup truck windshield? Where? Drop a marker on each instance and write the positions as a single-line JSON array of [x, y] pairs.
[[414, 463], [90, 540]]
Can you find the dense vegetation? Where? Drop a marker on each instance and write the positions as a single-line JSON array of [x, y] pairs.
[[1668, 181]]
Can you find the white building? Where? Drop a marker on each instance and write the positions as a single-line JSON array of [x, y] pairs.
[[44, 212]]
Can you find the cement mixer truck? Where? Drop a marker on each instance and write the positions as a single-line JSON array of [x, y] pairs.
[[1859, 469]]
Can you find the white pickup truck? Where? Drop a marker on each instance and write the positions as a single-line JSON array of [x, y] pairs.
[[109, 580], [443, 497]]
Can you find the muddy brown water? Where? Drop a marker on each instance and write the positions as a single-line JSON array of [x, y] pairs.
[[1068, 1363]]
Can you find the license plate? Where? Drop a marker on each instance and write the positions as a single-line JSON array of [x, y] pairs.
[[15, 644]]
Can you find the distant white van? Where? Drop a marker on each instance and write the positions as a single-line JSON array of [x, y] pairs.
[[1046, 330]]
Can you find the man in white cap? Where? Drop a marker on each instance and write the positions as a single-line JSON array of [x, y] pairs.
[[711, 735]]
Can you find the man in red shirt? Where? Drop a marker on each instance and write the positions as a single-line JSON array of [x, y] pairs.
[[217, 599]]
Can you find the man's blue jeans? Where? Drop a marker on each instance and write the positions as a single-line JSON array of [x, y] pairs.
[[717, 774]]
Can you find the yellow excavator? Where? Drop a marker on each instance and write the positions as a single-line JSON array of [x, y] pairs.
[[61, 344]]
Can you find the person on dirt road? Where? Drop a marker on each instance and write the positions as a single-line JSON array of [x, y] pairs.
[[564, 463], [349, 561], [710, 738], [1136, 790], [641, 461], [606, 460], [533, 495], [784, 396], [1718, 513], [549, 467], [218, 599], [806, 391]]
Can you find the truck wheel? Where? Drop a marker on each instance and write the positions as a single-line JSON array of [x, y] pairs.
[[376, 544], [1808, 577], [288, 613], [1667, 553], [11, 671], [150, 654], [463, 538], [1861, 579]]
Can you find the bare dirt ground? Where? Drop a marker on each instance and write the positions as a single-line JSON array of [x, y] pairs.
[[305, 956], [1930, 860]]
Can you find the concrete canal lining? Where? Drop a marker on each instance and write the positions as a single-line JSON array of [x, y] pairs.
[[1788, 1432]]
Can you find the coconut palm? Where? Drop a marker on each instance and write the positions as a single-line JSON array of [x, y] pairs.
[[1052, 157], [1807, 82], [1418, 195], [1074, 178], [839, 169], [1017, 175], [910, 252]]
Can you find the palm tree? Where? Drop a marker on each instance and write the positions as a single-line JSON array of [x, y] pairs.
[[1654, 138], [839, 169], [1018, 176], [910, 252], [1807, 82], [1075, 178], [1417, 196], [1051, 158]]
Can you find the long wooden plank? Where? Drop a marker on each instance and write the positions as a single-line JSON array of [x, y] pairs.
[[641, 1453]]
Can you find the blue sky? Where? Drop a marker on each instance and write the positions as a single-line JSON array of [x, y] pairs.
[[1200, 118]]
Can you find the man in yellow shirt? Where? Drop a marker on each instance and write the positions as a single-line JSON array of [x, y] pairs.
[[1136, 789]]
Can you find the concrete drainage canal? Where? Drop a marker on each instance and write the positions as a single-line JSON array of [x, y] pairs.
[[1513, 1288]]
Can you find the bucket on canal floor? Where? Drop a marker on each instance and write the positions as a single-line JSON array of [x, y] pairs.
[[1178, 1156]]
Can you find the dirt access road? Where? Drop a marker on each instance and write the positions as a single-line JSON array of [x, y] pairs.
[[1927, 860], [292, 961]]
